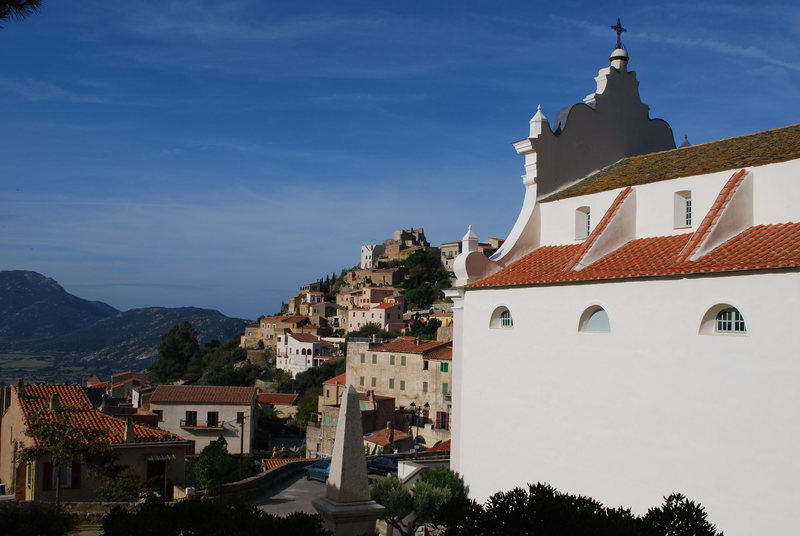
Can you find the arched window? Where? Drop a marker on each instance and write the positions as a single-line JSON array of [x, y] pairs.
[[730, 320], [723, 319], [501, 318], [683, 209], [594, 319], [583, 223]]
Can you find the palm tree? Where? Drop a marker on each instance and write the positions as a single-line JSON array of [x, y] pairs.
[[18, 9]]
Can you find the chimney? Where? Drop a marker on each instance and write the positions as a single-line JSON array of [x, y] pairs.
[[130, 436], [55, 402], [105, 407], [21, 388]]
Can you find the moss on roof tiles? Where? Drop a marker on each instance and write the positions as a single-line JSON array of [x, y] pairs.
[[767, 147]]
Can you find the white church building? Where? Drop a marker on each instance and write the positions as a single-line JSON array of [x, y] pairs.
[[636, 333]]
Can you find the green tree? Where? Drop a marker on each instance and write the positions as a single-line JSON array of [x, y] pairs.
[[58, 439], [679, 516], [178, 346], [424, 330], [214, 467], [438, 499]]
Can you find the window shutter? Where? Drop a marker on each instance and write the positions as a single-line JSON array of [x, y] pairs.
[[76, 475], [47, 476]]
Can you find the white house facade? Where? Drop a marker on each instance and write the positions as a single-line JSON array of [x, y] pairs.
[[638, 323]]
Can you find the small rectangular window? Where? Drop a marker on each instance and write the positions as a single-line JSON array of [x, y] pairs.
[[424, 387], [425, 365], [402, 385], [683, 209], [373, 382], [363, 358], [240, 417], [212, 418], [374, 359], [444, 367], [402, 361], [361, 380], [445, 388], [391, 360], [391, 383]]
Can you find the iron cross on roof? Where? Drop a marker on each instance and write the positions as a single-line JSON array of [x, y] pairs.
[[619, 29]]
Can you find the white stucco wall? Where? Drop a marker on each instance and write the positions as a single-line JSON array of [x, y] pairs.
[[173, 413], [652, 407]]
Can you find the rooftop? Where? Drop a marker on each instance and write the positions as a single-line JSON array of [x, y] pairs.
[[278, 399], [411, 345], [203, 394], [760, 148], [762, 247]]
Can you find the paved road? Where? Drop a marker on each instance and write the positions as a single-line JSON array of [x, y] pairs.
[[294, 495]]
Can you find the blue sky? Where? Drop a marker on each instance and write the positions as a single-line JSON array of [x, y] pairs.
[[219, 154]]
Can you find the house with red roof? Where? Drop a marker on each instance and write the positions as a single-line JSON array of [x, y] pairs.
[[156, 455], [284, 405], [635, 332], [206, 413], [387, 315]]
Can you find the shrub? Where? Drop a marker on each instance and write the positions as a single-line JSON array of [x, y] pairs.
[[33, 519]]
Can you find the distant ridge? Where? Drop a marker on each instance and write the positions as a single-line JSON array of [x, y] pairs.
[[67, 335]]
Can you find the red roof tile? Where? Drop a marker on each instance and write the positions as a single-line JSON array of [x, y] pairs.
[[442, 446], [442, 353], [408, 345], [82, 414], [203, 394], [304, 337], [278, 399], [272, 463], [762, 247], [341, 379], [381, 437]]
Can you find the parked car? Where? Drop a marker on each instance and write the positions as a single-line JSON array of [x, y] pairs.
[[319, 470], [382, 465]]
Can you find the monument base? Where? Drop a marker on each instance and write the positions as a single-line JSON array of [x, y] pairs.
[[348, 519]]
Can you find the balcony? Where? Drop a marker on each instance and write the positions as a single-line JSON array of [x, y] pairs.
[[202, 425]]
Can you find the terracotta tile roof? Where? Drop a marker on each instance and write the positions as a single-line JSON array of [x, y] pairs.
[[83, 415], [291, 319], [387, 305], [442, 353], [278, 399], [767, 147], [341, 379], [443, 446], [304, 337], [203, 394], [101, 385], [762, 247], [407, 345], [381, 437], [253, 325], [272, 463]]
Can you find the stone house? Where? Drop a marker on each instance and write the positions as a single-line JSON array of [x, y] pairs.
[[203, 413], [376, 411], [157, 456], [267, 329], [409, 370], [389, 316]]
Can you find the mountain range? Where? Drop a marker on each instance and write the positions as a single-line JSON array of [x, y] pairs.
[[48, 334]]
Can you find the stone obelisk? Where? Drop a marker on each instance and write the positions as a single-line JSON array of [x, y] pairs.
[[346, 507]]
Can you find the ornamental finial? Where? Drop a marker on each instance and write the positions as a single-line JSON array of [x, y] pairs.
[[619, 29]]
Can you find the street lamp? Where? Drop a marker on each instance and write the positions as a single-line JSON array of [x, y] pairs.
[[416, 411]]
